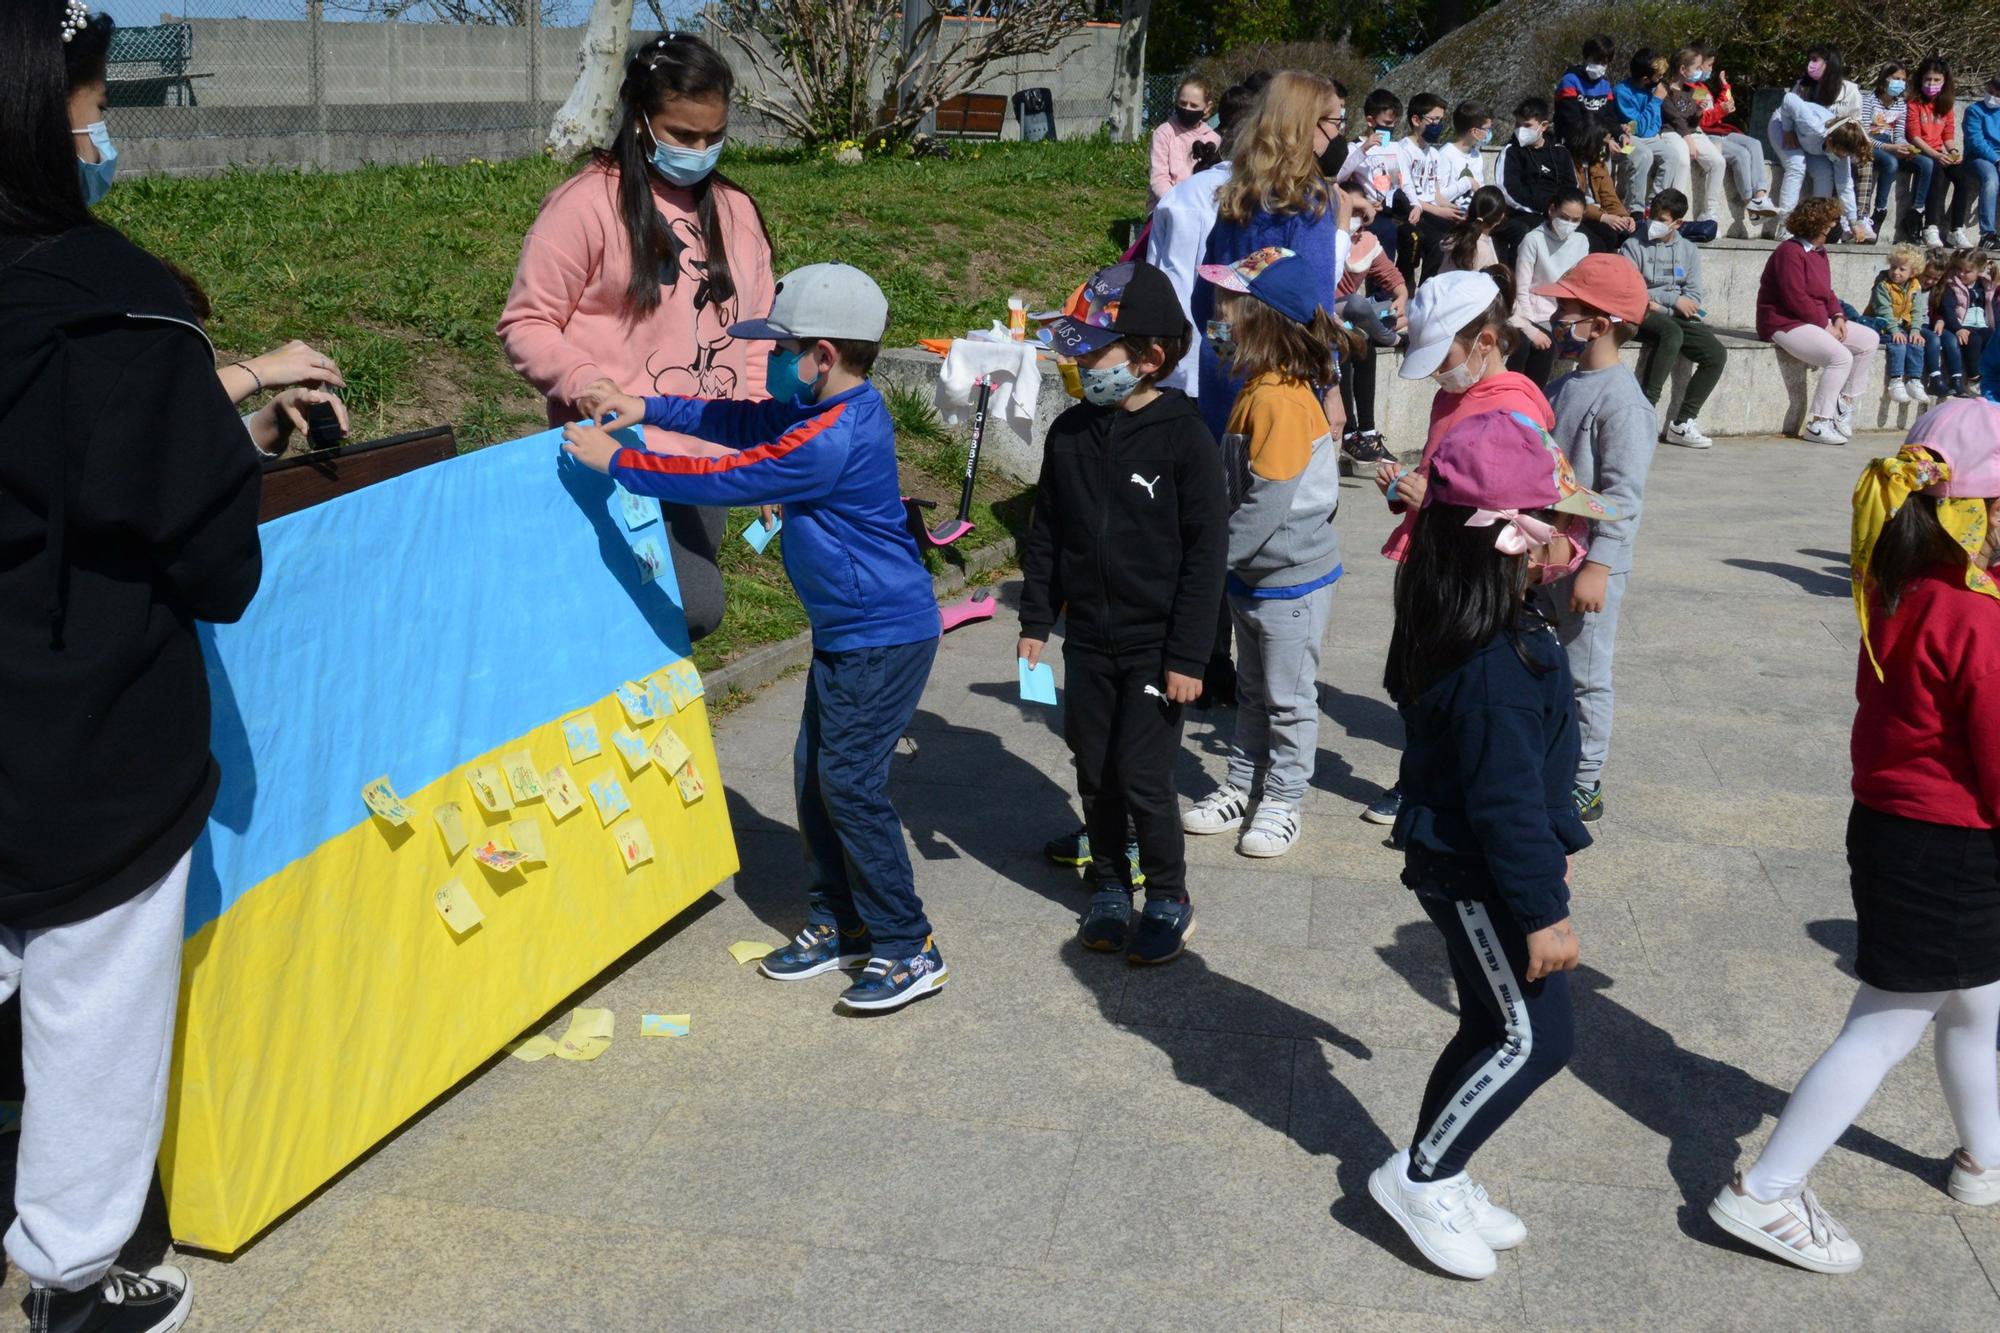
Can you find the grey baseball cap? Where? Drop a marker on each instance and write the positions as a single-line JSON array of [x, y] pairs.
[[822, 301]]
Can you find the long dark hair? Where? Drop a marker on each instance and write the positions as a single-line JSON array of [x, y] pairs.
[[1912, 541], [1454, 592], [1483, 212], [1946, 95], [673, 66], [41, 193], [1827, 91]]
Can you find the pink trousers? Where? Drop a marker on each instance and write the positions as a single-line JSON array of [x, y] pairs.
[[1842, 362]]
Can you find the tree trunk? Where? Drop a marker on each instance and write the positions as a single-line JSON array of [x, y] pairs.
[[590, 115], [1128, 74]]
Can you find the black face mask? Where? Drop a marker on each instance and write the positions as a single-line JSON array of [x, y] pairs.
[[1332, 156], [1188, 119]]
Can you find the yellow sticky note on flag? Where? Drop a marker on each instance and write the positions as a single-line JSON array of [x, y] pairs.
[[455, 905], [669, 751], [527, 836], [559, 793], [450, 819]]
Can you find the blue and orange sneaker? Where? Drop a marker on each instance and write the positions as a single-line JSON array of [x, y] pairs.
[[891, 983], [818, 949]]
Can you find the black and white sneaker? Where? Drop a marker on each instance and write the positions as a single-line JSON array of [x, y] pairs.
[[156, 1301], [1366, 448]]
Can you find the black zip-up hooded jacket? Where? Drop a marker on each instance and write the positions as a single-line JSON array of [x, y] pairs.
[[1130, 533], [128, 511]]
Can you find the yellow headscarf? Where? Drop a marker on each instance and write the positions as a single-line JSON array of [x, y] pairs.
[[1886, 483]]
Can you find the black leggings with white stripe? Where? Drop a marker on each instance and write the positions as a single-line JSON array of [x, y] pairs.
[[1513, 1036]]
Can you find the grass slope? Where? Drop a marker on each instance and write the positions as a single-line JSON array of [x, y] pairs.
[[400, 274]]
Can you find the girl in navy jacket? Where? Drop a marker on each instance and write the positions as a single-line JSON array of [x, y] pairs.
[[1487, 824]]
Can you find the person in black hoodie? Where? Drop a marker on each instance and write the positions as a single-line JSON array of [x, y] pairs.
[[1533, 169], [1486, 824], [1128, 543], [128, 512]]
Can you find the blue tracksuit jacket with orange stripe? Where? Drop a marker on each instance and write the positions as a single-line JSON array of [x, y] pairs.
[[832, 465]]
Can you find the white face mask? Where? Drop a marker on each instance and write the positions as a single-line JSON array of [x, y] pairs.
[[1353, 224], [1659, 230], [1462, 376], [1563, 228], [1594, 71], [1527, 136]]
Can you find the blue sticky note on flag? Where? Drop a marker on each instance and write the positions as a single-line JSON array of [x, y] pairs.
[[760, 536], [1038, 683]]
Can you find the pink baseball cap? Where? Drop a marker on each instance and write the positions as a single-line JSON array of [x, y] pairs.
[[1504, 460], [1965, 433]]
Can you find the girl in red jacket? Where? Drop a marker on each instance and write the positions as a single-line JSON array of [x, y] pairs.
[[1922, 847], [1932, 129]]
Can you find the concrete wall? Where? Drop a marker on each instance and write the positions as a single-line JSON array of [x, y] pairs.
[[402, 92]]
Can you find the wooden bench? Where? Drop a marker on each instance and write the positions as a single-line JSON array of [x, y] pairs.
[[149, 66], [972, 116]]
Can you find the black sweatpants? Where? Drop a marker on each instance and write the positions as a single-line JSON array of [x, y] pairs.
[[1126, 743], [1513, 1035]]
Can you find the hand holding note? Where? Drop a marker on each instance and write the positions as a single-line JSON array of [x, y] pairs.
[[759, 534], [1038, 683]]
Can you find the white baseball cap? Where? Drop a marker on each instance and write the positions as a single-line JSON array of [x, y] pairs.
[[1443, 306], [822, 301]]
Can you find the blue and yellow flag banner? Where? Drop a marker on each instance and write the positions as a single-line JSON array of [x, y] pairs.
[[466, 764]]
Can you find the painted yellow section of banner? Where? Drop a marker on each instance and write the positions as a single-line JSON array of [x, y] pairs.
[[336, 986]]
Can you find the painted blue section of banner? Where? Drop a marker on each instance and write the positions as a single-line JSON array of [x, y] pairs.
[[410, 626]]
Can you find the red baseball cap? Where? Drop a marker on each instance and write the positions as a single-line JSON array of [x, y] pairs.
[[1608, 283]]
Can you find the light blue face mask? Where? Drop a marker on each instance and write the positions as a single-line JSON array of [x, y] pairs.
[[781, 378], [96, 176], [685, 166], [1896, 87], [1109, 386]]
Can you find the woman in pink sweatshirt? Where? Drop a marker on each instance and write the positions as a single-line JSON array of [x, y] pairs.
[[636, 268]]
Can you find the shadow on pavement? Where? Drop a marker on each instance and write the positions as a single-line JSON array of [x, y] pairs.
[[1702, 1106], [1821, 583]]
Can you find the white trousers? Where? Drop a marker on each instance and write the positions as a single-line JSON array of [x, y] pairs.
[[97, 1038]]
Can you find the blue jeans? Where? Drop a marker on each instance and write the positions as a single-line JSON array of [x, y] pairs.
[[858, 704], [1989, 192], [1915, 359], [1949, 353]]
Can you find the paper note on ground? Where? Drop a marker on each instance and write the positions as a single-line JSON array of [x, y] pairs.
[[588, 1035], [689, 781], [669, 751], [580, 734], [1038, 683], [635, 845], [760, 536], [455, 905], [527, 836], [381, 799], [664, 1025], [632, 698], [632, 749], [559, 793], [523, 778], [749, 951], [537, 1047], [450, 819], [610, 799], [489, 788]]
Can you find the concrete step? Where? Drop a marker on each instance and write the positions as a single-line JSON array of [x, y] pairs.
[[1763, 392]]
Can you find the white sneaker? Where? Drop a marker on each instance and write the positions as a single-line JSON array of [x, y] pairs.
[[1438, 1218], [1273, 830], [1687, 434], [1843, 416], [1221, 810], [1760, 204], [1918, 393], [1864, 232], [1500, 1229], [1966, 237], [1899, 392], [1972, 1183], [1795, 1228], [1822, 431], [1933, 238]]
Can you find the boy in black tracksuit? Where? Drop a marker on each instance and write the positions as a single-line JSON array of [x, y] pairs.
[[1533, 169], [1128, 543]]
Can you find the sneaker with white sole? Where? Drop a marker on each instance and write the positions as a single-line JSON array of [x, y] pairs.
[[891, 983], [1966, 237], [1221, 810], [156, 1301], [1796, 1228], [817, 951], [1918, 393], [1843, 416], [1499, 1228], [1761, 206], [1688, 435], [1933, 238], [1273, 830], [1972, 1183], [1899, 392], [1822, 431], [1385, 807], [1438, 1218]]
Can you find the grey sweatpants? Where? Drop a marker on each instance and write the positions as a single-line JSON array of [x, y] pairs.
[[1589, 640], [1277, 692], [97, 1037]]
